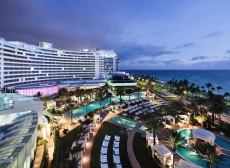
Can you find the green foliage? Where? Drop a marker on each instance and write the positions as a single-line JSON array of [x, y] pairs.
[[44, 162], [54, 162], [48, 118], [42, 142]]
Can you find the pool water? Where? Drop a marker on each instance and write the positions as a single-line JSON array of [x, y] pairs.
[[81, 111], [124, 121], [189, 153], [143, 128]]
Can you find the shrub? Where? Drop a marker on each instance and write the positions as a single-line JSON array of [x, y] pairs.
[[42, 142], [54, 162]]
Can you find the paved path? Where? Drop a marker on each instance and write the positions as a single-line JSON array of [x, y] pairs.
[[50, 147], [131, 154], [38, 157]]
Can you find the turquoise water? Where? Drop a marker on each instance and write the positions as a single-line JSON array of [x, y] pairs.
[[143, 128], [81, 111], [124, 121], [189, 153], [222, 143]]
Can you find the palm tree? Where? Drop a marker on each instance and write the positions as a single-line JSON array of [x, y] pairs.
[[119, 92], [85, 102], [153, 126], [100, 96], [64, 98], [71, 107], [208, 85], [38, 95], [175, 140], [129, 92], [207, 152], [137, 89], [110, 95], [219, 88], [226, 94]]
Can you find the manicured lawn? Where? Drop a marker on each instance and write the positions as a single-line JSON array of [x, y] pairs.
[[158, 87], [141, 152], [112, 130], [142, 84]]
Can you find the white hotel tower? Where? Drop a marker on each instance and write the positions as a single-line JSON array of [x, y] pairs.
[[23, 63]]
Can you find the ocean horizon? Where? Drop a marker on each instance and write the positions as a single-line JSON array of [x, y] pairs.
[[199, 77]]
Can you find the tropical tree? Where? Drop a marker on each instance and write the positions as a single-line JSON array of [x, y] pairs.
[[110, 95], [38, 95], [129, 92], [153, 125], [174, 140], [219, 88], [85, 102], [71, 107], [207, 152], [137, 89], [64, 98], [120, 92], [100, 95], [208, 85], [226, 94], [45, 99]]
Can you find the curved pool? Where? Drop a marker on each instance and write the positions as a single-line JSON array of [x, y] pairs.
[[189, 153], [81, 111]]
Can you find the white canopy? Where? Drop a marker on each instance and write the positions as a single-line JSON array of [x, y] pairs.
[[162, 154], [162, 150], [183, 164], [204, 135], [183, 116]]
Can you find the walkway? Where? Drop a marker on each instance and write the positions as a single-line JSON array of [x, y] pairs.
[[131, 154], [38, 157], [50, 147]]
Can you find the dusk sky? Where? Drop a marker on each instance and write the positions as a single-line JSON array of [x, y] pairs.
[[154, 34]]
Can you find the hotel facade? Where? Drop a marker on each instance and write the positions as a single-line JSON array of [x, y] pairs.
[[24, 64]]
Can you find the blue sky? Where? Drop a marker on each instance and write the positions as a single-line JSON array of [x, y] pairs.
[[156, 34]]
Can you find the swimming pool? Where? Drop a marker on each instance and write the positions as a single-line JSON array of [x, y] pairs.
[[189, 154], [143, 128], [124, 121], [81, 111]]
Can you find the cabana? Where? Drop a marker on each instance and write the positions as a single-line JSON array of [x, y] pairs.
[[204, 135], [183, 164], [162, 154], [170, 118], [149, 138], [185, 118], [97, 119]]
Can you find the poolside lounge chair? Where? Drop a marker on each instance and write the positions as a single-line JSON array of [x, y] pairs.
[[118, 166], [116, 159], [104, 150], [104, 165], [116, 144], [103, 159], [117, 138], [105, 143], [107, 137]]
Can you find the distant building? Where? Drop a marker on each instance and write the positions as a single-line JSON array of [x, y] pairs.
[[116, 79]]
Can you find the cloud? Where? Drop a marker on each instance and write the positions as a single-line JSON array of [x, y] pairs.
[[189, 44], [186, 45], [199, 58], [228, 51], [212, 34], [170, 62], [135, 51]]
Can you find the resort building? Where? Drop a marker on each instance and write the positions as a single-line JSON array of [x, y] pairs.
[[116, 79], [26, 66], [19, 119]]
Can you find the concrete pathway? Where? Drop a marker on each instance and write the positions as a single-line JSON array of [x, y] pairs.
[[50, 147], [131, 154], [38, 157]]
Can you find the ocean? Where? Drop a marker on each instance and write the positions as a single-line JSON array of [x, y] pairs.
[[199, 77]]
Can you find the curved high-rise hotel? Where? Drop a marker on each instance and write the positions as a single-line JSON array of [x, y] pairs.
[[23, 64]]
